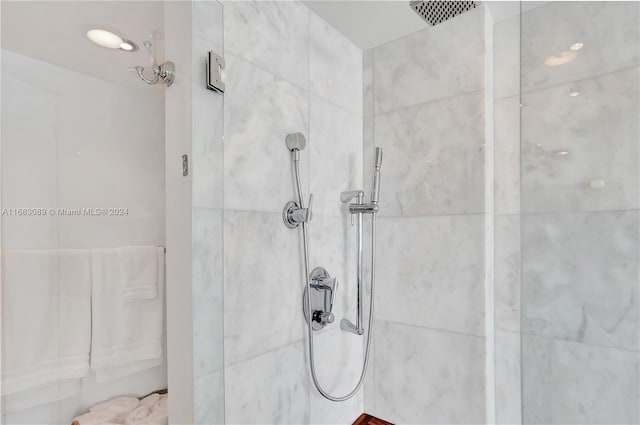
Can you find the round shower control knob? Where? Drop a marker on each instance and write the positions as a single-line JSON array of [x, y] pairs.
[[320, 316], [329, 317]]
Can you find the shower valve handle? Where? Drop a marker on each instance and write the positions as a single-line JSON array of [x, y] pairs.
[[350, 195], [309, 207]]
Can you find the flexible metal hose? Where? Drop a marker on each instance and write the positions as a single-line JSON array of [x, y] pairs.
[[324, 393]]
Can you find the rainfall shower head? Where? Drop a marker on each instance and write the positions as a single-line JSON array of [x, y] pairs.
[[436, 12]]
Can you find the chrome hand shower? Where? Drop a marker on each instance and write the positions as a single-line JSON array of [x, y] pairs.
[[294, 215]]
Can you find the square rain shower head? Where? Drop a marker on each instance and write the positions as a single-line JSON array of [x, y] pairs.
[[436, 12]]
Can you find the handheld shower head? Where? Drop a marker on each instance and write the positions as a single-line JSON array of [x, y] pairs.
[[375, 193], [295, 141]]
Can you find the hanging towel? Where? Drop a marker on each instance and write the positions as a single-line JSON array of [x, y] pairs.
[[127, 334], [46, 322], [139, 271]]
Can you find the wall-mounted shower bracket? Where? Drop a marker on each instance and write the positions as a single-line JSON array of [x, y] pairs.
[[323, 289], [293, 215], [215, 65]]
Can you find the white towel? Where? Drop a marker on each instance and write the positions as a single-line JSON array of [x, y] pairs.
[[142, 416], [162, 404], [97, 418], [46, 320], [140, 413], [127, 335], [139, 271], [120, 406], [150, 400]]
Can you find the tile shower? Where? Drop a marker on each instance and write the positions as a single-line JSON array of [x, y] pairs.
[[508, 233]]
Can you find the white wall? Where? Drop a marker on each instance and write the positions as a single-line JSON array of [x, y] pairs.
[[73, 141]]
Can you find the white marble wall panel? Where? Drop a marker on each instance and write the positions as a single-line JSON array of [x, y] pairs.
[[209, 399], [272, 388], [433, 157], [580, 277], [508, 378], [271, 34], [335, 146], [367, 83], [571, 383], [434, 63], [506, 58], [598, 130], [207, 291], [427, 376], [207, 26], [507, 273], [507, 155], [207, 173], [610, 32], [260, 110], [287, 71], [429, 272], [263, 284], [335, 65]]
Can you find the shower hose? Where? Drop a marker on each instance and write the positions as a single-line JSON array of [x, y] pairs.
[[305, 238]]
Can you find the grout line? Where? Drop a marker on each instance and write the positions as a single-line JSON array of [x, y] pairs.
[[570, 82], [571, 341], [298, 86], [431, 328], [439, 99]]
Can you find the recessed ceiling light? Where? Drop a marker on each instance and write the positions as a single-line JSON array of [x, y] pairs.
[[110, 40], [574, 92], [561, 153], [128, 46], [576, 46], [560, 59]]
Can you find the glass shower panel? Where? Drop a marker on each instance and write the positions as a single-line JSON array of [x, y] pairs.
[[580, 212]]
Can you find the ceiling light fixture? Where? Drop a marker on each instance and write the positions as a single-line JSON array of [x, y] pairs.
[[576, 46], [110, 40], [128, 46], [574, 92]]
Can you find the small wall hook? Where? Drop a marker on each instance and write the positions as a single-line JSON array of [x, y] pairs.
[[163, 73]]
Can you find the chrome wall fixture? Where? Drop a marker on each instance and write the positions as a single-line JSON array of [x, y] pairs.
[[320, 287], [215, 65], [162, 74]]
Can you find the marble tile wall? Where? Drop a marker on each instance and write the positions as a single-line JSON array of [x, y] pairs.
[[287, 71], [207, 219], [424, 105]]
